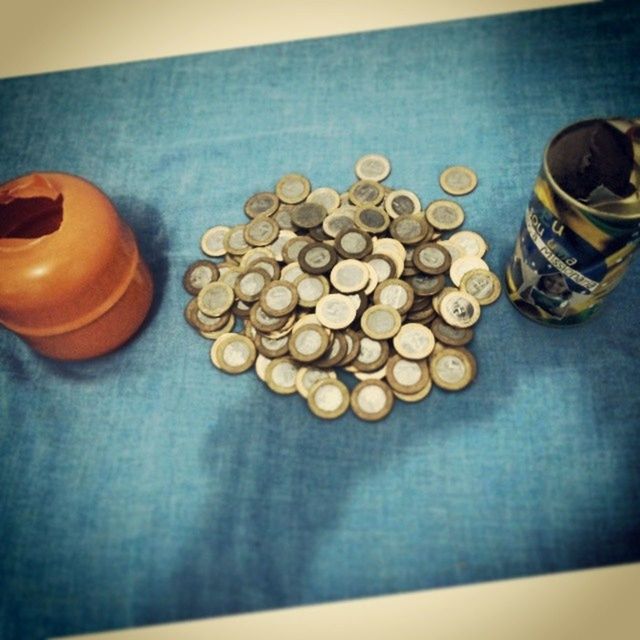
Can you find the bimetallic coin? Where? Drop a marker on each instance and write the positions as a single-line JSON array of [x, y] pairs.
[[328, 398], [414, 397], [373, 167], [366, 193], [464, 265], [444, 214], [280, 376], [261, 231], [349, 276], [372, 355], [308, 342], [401, 203], [261, 364], [310, 289], [458, 180], [234, 241], [226, 328], [327, 197], [250, 284], [317, 258], [265, 322], [414, 341], [455, 251], [290, 272], [254, 254], [380, 322], [424, 285], [292, 248], [308, 376], [382, 264], [283, 216], [451, 336], [371, 400], [459, 309], [371, 219], [215, 299], [200, 321], [407, 376], [233, 353], [279, 298], [353, 243], [268, 265], [212, 242], [471, 243], [277, 245], [264, 203], [431, 258], [410, 229], [272, 347], [199, 274], [483, 285], [452, 369], [230, 276], [395, 293], [338, 221], [308, 215], [335, 311], [293, 188]]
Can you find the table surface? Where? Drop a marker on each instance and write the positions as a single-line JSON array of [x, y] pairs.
[[146, 486]]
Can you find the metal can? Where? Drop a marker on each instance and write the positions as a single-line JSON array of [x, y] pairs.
[[570, 254]]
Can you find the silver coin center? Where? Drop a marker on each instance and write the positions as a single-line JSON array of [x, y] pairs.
[[451, 369], [372, 399], [407, 373], [328, 397]]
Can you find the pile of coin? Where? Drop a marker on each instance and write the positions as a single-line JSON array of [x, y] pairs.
[[364, 280]]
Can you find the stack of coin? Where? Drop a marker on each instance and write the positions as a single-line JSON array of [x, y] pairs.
[[366, 280]]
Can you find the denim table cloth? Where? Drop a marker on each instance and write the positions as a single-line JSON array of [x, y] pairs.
[[147, 486]]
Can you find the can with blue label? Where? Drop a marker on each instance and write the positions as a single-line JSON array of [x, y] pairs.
[[582, 224]]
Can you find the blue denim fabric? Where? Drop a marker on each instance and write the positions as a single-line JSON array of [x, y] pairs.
[[147, 486]]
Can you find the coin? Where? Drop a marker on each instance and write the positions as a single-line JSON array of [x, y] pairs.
[[308, 215], [382, 264], [280, 375], [335, 353], [327, 197], [371, 400], [339, 221], [366, 193], [422, 316], [293, 188], [318, 234], [265, 322], [458, 180], [349, 276], [250, 284], [401, 202], [317, 258], [373, 279], [424, 284], [283, 216], [454, 250], [200, 321], [212, 242], [380, 322], [335, 311], [308, 342], [444, 214], [268, 265], [452, 369], [459, 309], [230, 276], [471, 243], [483, 285], [261, 231], [308, 376], [431, 258], [371, 219], [293, 247], [279, 298], [414, 397], [372, 355], [353, 243], [328, 398], [464, 265], [409, 229], [452, 336], [359, 301], [264, 203], [395, 293], [310, 289], [226, 328], [261, 364], [290, 272], [414, 341], [277, 245], [215, 298], [234, 241], [199, 274], [233, 353], [272, 347], [373, 167], [373, 375], [353, 347], [254, 254], [435, 300], [407, 376]]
